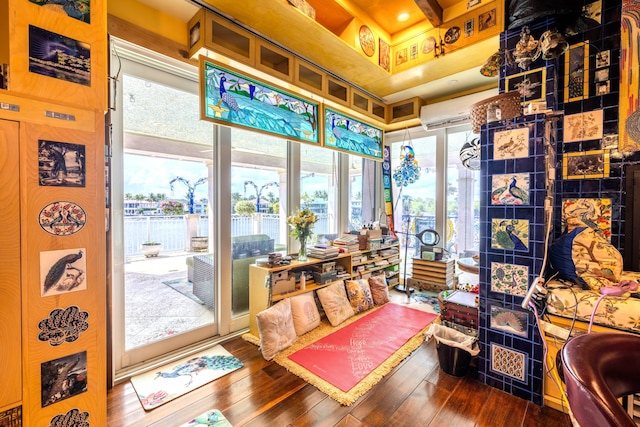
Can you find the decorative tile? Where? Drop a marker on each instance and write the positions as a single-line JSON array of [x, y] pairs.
[[70, 370], [63, 325], [62, 271], [510, 189], [62, 218], [508, 362], [583, 126], [510, 234], [511, 321], [511, 144], [593, 213], [73, 418], [509, 278]]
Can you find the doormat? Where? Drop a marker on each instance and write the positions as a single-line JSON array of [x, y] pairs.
[[346, 363], [175, 379], [212, 418], [426, 297], [183, 286]]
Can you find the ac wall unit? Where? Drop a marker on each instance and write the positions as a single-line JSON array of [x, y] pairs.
[[453, 112]]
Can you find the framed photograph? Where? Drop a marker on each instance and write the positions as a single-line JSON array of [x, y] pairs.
[[601, 75], [530, 84], [227, 97], [468, 27], [61, 164], [58, 56], [514, 322], [63, 378], [585, 164], [576, 69], [603, 59]]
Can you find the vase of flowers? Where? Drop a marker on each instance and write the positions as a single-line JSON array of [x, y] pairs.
[[301, 225]]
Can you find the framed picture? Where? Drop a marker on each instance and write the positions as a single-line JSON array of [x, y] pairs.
[[401, 56], [61, 164], [58, 56], [603, 88], [530, 84], [576, 69], [603, 59], [229, 98], [468, 27], [601, 75], [385, 55], [514, 322], [585, 164]]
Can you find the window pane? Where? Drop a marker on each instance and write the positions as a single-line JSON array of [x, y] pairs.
[[319, 188], [463, 199], [361, 192], [258, 222]]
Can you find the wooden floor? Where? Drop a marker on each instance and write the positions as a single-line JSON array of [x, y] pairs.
[[415, 393]]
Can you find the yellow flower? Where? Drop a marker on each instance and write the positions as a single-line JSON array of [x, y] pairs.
[[301, 224]]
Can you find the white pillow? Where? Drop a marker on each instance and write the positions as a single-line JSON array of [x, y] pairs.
[[304, 312], [275, 325]]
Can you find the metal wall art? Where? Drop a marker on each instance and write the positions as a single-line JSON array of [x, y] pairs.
[[61, 164], [229, 98], [62, 218], [63, 325], [63, 271], [347, 134]]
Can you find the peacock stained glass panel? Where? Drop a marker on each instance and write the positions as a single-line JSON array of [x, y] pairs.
[[229, 98], [345, 133], [510, 234], [510, 189]]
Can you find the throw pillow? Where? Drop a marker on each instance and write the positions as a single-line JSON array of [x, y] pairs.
[[379, 289], [359, 295], [335, 303], [304, 312], [275, 325]]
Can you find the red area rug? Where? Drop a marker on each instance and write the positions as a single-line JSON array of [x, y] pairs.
[[347, 357]]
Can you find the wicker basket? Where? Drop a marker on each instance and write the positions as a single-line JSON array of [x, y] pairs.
[[509, 103]]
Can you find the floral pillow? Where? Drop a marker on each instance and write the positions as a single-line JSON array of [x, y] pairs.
[[304, 312], [379, 289], [335, 303], [359, 295], [275, 325]]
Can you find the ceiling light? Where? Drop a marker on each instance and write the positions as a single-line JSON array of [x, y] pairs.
[[403, 17]]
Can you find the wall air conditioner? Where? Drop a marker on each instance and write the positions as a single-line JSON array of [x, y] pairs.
[[453, 112]]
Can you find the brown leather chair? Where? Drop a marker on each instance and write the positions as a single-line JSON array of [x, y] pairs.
[[598, 369]]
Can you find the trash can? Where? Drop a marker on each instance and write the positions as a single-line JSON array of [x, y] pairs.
[[455, 349]]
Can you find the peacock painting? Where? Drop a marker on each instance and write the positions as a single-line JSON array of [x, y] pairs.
[[510, 234], [510, 189]]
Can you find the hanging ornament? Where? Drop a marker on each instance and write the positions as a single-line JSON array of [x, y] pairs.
[[408, 171]]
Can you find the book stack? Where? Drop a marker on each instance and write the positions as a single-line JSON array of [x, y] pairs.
[[323, 251], [434, 272], [347, 242]]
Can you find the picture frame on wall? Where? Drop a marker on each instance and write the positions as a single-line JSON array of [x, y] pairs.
[[531, 84], [585, 164], [576, 69]]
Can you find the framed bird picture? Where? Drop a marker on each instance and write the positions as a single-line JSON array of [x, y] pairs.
[[227, 97], [63, 271]]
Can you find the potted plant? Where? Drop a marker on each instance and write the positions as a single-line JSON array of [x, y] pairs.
[[151, 248]]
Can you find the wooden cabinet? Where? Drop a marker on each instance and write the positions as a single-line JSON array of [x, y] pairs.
[[11, 354], [261, 278]]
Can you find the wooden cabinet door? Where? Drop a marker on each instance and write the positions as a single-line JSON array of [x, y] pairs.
[[10, 312]]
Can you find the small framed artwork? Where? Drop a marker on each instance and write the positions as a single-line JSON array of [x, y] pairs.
[[468, 27], [601, 75], [603, 88], [63, 271], [530, 84], [61, 164], [487, 20], [603, 59], [58, 56], [583, 126], [511, 144], [384, 51], [576, 69], [414, 51], [510, 189], [514, 322], [401, 56], [63, 378], [586, 164]]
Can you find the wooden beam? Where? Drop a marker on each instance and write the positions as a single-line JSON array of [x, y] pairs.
[[432, 10]]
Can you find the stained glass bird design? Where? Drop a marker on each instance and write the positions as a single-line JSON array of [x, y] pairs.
[[225, 96]]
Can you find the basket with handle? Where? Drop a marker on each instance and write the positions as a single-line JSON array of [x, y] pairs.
[[509, 103]]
